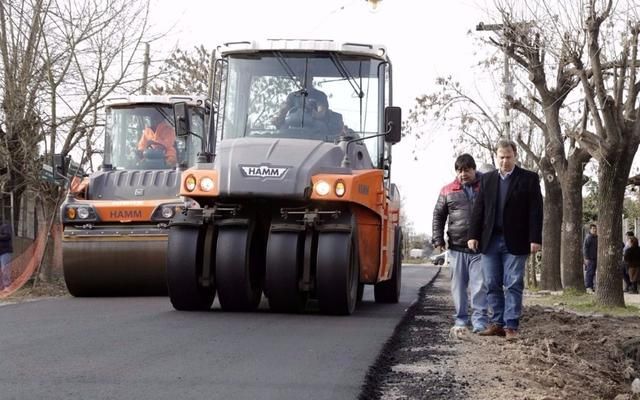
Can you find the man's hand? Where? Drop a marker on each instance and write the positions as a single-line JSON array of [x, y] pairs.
[[440, 248], [535, 247], [473, 245]]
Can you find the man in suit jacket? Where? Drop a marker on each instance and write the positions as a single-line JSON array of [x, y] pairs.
[[506, 225]]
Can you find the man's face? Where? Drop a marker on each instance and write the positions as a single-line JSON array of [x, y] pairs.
[[466, 175], [506, 159], [593, 230]]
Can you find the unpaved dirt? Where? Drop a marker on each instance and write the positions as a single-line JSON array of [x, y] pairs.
[[559, 355]]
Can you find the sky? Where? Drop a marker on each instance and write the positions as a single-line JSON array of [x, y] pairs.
[[424, 39]]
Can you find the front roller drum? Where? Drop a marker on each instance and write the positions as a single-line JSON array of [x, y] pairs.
[[336, 273], [284, 263], [189, 267], [239, 267], [99, 267]]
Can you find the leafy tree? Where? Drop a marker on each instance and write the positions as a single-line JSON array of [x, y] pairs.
[[185, 73]]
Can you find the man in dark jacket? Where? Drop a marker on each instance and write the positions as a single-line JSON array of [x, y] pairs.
[[455, 204], [6, 251], [590, 254], [506, 225]]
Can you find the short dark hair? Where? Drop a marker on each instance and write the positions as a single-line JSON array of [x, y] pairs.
[[593, 226], [464, 161], [630, 233], [506, 143]]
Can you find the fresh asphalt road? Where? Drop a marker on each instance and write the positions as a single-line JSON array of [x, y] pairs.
[[140, 348]]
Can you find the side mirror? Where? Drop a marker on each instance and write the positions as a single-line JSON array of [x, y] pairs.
[[59, 166], [182, 118], [393, 124]]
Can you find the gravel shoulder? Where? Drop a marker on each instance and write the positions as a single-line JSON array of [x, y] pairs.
[[560, 355]]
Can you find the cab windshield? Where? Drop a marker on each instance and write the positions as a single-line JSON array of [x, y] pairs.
[[143, 137], [293, 95]]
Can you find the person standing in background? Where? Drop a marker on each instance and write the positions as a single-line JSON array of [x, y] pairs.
[[590, 255], [6, 253]]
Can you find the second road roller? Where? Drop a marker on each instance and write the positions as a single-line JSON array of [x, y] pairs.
[[116, 220], [293, 195]]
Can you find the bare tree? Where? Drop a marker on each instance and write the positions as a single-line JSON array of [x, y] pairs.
[[607, 72], [573, 40], [60, 59]]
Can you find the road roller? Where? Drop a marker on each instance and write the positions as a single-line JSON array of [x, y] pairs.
[[293, 197], [116, 220]]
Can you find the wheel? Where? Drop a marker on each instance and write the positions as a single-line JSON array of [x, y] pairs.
[[440, 261], [389, 291], [239, 268], [337, 273], [188, 253], [283, 270]]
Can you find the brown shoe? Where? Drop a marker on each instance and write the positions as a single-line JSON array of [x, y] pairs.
[[492, 330], [511, 334]]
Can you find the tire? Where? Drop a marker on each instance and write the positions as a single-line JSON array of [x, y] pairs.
[[185, 256], [389, 290], [239, 268], [337, 273], [283, 271]]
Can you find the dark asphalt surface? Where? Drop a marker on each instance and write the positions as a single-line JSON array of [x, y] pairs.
[[140, 348]]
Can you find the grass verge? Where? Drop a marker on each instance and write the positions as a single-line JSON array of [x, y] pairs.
[[582, 303]]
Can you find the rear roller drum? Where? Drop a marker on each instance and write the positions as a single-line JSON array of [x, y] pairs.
[[239, 268], [336, 273], [285, 253], [189, 253]]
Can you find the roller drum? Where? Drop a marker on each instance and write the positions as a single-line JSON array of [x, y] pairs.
[[118, 267]]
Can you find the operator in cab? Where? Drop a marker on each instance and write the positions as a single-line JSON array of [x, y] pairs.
[[158, 135], [315, 106]]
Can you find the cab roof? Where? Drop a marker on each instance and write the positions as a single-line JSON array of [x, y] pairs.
[[128, 100], [303, 45]]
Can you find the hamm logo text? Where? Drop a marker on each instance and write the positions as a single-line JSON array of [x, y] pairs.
[[263, 171]]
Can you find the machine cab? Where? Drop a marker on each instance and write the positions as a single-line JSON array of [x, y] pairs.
[[140, 133], [306, 89]]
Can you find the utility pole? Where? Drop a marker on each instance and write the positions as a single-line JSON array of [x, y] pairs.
[[507, 81], [145, 68]]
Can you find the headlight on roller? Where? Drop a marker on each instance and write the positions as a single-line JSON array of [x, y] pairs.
[[322, 188], [71, 213], [206, 184], [340, 188], [190, 183], [167, 212], [83, 212]]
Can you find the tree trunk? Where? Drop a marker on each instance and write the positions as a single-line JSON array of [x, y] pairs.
[[530, 273], [612, 181], [550, 276], [572, 260]]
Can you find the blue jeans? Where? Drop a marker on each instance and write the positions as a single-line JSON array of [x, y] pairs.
[[590, 273], [504, 278], [466, 273], [5, 264]]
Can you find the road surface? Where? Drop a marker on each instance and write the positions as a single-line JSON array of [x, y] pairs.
[[140, 348]]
